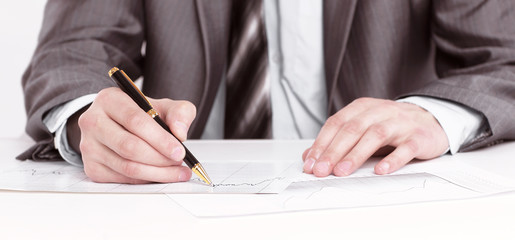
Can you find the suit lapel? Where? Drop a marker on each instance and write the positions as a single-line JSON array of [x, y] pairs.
[[213, 19], [338, 16]]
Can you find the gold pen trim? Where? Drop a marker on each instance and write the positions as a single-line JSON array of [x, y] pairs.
[[112, 71], [197, 168], [152, 113], [199, 171]]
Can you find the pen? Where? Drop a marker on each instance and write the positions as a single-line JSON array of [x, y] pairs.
[[126, 84]]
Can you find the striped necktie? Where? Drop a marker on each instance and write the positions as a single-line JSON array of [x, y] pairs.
[[248, 111]]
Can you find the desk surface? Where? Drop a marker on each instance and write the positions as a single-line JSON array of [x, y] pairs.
[[39, 215]]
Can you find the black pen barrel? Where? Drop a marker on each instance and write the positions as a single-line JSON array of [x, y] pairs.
[[127, 85], [189, 159]]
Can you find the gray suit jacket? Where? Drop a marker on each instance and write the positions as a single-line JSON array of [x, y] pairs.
[[459, 50]]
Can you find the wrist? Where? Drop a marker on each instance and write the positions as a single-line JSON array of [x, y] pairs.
[[73, 130]]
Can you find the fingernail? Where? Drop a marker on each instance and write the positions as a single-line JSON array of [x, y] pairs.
[[308, 165], [384, 167], [183, 176], [316, 153], [177, 153], [344, 167], [181, 127], [309, 152], [322, 168]]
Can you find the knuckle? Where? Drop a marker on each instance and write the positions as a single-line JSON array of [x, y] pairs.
[[403, 115], [182, 105], [105, 95], [135, 120], [353, 127], [423, 133], [189, 106], [186, 107], [316, 150], [412, 146], [126, 147], [329, 158], [87, 121], [380, 131], [389, 103], [361, 100], [390, 107], [167, 144], [85, 147], [130, 169], [335, 121], [102, 95], [351, 158]]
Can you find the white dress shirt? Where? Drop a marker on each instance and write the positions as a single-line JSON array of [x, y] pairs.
[[297, 82]]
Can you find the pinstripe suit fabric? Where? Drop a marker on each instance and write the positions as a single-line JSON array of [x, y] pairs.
[[459, 50]]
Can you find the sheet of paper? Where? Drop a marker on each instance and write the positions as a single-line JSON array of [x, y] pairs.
[[227, 176], [418, 182], [269, 166]]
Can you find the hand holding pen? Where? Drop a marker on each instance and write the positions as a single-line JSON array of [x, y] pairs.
[[121, 143]]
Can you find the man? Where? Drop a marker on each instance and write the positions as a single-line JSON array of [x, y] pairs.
[[452, 58]]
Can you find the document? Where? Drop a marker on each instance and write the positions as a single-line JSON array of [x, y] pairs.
[[227, 177], [257, 177], [419, 182]]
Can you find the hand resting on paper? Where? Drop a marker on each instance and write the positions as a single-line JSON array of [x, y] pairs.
[[368, 126]]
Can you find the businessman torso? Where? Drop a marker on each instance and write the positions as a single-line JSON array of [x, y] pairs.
[[453, 50], [377, 49]]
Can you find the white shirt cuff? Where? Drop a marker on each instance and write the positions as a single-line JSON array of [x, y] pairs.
[[56, 120], [460, 123]]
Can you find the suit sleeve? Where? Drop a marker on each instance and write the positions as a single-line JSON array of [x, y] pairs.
[[79, 42], [475, 63]]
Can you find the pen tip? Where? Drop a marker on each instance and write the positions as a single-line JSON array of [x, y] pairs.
[[199, 170], [209, 182]]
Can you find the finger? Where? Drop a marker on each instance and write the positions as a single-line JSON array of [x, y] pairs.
[[126, 112], [305, 153], [145, 172], [131, 147], [327, 134], [102, 174], [375, 137], [92, 152], [398, 158], [308, 162], [346, 139], [333, 125], [178, 115]]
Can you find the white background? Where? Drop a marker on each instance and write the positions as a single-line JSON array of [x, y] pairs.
[[20, 22], [154, 216]]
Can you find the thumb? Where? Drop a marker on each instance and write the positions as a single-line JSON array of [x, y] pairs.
[[178, 115]]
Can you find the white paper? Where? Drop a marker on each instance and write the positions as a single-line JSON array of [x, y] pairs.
[[227, 177], [268, 166], [440, 179]]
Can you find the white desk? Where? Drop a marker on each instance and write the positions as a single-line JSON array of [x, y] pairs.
[[37, 215]]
